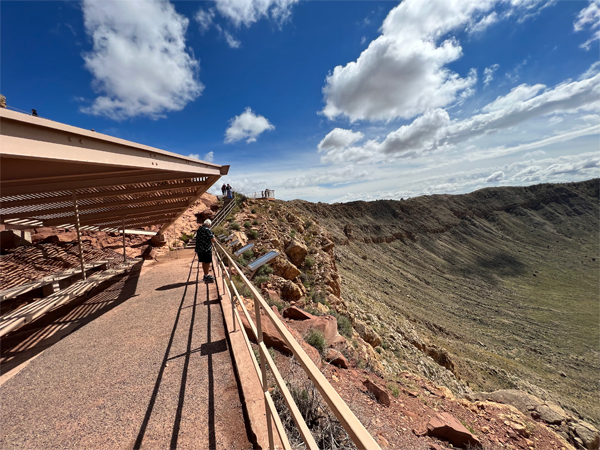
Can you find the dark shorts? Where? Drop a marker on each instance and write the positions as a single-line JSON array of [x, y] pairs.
[[205, 257]]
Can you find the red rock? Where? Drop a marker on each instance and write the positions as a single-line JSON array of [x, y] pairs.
[[380, 394], [336, 358], [297, 314], [297, 252], [325, 324], [444, 426]]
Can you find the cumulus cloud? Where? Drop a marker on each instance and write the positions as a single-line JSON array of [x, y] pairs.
[[488, 73], [589, 17], [402, 73], [337, 176], [139, 59], [247, 126], [495, 177], [435, 131], [247, 12], [339, 138]]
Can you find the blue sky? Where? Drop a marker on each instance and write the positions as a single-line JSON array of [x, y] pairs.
[[324, 100]]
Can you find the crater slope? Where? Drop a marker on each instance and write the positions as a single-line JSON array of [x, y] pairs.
[[502, 284]]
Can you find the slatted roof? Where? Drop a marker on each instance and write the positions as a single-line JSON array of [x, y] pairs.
[[44, 163]]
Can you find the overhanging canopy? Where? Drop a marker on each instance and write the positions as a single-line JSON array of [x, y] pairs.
[[46, 165]]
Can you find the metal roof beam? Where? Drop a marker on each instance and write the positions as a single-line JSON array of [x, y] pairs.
[[44, 212], [85, 219], [102, 194], [8, 191]]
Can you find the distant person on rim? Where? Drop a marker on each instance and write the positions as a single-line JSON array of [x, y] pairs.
[[229, 191], [204, 240], [224, 189]]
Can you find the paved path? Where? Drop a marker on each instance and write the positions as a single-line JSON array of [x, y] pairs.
[[153, 372]]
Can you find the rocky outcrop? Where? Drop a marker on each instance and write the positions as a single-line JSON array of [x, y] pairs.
[[444, 426], [297, 252], [336, 358], [582, 434], [367, 333], [327, 325], [285, 269], [380, 394]]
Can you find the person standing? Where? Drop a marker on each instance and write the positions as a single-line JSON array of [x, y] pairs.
[[204, 240], [229, 191], [224, 189]]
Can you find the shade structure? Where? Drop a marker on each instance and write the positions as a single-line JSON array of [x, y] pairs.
[[52, 174]]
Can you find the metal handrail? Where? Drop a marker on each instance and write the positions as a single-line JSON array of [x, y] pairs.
[[357, 432], [221, 215]]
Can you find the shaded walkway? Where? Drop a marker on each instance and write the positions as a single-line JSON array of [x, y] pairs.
[[153, 372]]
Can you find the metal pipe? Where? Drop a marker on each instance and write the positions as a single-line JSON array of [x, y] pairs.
[[78, 234]]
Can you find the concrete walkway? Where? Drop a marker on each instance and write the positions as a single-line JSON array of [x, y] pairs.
[[152, 372]]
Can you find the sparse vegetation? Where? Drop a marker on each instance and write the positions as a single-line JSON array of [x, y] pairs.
[[234, 226], [316, 339], [292, 233], [309, 262], [264, 270], [253, 211], [344, 325], [255, 222], [248, 254], [260, 280], [252, 234], [247, 224], [393, 389]]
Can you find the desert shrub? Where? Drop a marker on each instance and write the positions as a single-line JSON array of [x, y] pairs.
[[234, 226], [378, 349], [309, 262], [252, 234], [219, 231], [241, 286], [247, 224], [312, 310], [255, 222], [319, 297], [186, 237], [324, 426], [316, 339], [308, 223], [343, 324], [253, 211], [394, 389], [264, 270], [260, 280], [292, 233], [248, 254], [242, 261]]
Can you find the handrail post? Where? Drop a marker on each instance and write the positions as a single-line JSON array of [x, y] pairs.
[[76, 208], [263, 369]]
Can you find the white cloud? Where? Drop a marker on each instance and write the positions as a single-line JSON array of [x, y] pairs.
[[231, 41], [139, 59], [483, 24], [209, 157], [205, 19], [402, 73], [194, 155], [434, 130], [534, 154], [247, 12], [514, 75], [495, 177], [488, 73], [338, 138], [589, 16], [337, 176], [247, 126]]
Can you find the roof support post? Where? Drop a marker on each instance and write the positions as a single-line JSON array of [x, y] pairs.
[[124, 252], [76, 209]]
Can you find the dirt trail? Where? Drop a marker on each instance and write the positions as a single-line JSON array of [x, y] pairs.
[[153, 372]]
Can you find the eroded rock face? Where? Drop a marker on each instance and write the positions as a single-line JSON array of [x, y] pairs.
[[295, 313], [588, 434], [325, 324], [368, 334], [290, 291], [297, 252], [444, 426], [285, 269]]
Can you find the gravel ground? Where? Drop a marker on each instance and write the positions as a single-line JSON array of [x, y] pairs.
[[153, 372]]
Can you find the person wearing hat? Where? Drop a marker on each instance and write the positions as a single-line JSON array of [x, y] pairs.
[[204, 240]]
